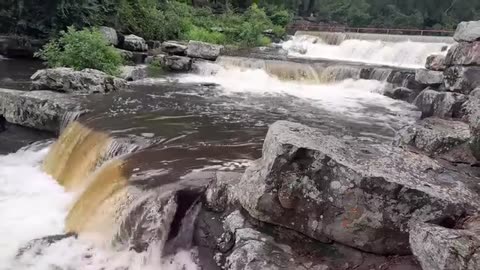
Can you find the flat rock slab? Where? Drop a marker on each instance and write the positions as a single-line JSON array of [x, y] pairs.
[[434, 136], [197, 49], [42, 110], [356, 193]]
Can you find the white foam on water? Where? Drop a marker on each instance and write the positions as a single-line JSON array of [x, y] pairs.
[[349, 97], [407, 54], [33, 205]]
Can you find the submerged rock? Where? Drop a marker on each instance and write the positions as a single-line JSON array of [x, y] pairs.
[[464, 54], [434, 136], [358, 194], [442, 248], [109, 34], [174, 47], [462, 79], [178, 63], [42, 110], [436, 62], [467, 31], [197, 49], [67, 80], [134, 43], [400, 93], [429, 77], [134, 73]]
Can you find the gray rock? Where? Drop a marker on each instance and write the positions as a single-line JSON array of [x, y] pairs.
[[158, 59], [197, 49], [134, 58], [429, 77], [174, 47], [42, 110], [134, 43], [464, 54], [473, 118], [154, 44], [462, 79], [216, 195], [400, 93], [254, 250], [355, 193], [440, 248], [178, 63], [440, 104], [71, 81], [434, 136], [109, 34], [435, 62], [134, 73], [467, 31]]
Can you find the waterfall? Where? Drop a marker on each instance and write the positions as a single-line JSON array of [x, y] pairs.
[[334, 46]]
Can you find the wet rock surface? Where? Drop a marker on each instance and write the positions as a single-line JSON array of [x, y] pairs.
[[177, 63], [134, 73], [434, 136], [87, 81], [400, 93], [429, 77], [441, 104], [462, 79], [436, 62], [197, 49], [464, 54], [362, 195]]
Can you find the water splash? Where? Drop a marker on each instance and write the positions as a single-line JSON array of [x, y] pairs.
[[401, 54]]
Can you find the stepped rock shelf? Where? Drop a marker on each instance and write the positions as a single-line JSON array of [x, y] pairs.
[[178, 164]]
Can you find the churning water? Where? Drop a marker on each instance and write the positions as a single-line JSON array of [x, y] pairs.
[[33, 205], [401, 54]]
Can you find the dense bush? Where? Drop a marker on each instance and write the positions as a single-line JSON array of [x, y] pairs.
[[81, 49]]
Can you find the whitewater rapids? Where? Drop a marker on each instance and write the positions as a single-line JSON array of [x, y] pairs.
[[407, 54]]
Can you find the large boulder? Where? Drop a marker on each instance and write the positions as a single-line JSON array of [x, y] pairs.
[[134, 43], [109, 34], [462, 79], [174, 47], [467, 31], [178, 63], [434, 136], [441, 248], [436, 62], [134, 58], [464, 54], [356, 193], [440, 104], [42, 110], [429, 77], [197, 49], [68, 80], [134, 73]]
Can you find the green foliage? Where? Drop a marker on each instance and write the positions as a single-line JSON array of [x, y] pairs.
[[202, 34], [81, 49]]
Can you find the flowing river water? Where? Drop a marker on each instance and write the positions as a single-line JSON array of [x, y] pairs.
[[111, 175]]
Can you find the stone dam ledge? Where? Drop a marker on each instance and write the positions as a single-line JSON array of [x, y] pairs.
[[42, 110], [356, 193]]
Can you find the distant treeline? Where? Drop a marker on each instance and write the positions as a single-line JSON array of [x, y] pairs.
[[421, 14], [164, 19]]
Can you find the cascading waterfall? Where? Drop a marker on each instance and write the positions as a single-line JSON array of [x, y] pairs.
[[109, 214], [406, 53]]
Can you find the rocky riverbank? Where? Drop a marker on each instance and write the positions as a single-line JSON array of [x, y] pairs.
[[315, 199]]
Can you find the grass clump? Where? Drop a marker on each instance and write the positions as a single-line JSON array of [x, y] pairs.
[[80, 49]]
